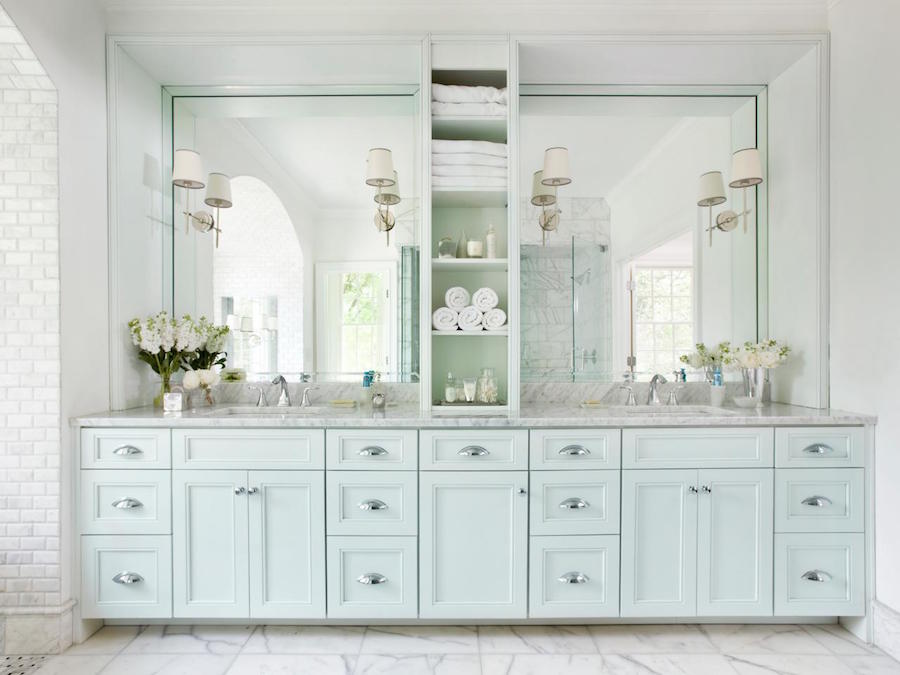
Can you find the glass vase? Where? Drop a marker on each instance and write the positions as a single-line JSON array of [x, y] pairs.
[[755, 383], [164, 388]]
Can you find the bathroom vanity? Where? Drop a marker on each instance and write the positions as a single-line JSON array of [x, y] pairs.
[[554, 514]]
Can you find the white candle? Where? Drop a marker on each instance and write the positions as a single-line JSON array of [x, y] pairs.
[[475, 248]]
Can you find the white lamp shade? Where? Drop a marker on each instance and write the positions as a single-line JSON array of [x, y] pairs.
[[542, 195], [390, 194], [247, 324], [233, 322], [380, 168], [556, 167], [218, 191], [711, 189], [746, 168], [187, 170]]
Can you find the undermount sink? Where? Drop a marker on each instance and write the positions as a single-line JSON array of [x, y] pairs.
[[665, 410], [275, 411]]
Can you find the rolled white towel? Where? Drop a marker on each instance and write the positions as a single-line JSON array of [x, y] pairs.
[[485, 299], [444, 318], [457, 297], [470, 319], [494, 319]]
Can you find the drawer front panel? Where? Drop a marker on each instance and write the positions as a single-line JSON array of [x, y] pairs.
[[372, 449], [125, 577], [819, 500], [372, 578], [248, 449], [825, 447], [819, 575], [475, 449], [697, 448], [126, 448], [377, 503], [574, 577], [575, 449], [125, 502], [566, 503]]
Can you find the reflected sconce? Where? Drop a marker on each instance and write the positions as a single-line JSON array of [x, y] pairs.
[[710, 193], [543, 192], [381, 175], [187, 173], [746, 172]]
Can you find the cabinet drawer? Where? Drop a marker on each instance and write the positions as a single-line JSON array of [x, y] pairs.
[[372, 578], [574, 577], [126, 448], [697, 448], [819, 500], [475, 449], [125, 502], [248, 448], [826, 447], [819, 575], [582, 503], [372, 503], [372, 449], [126, 577], [575, 449]]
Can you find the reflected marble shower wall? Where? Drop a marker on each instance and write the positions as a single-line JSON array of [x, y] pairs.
[[566, 301]]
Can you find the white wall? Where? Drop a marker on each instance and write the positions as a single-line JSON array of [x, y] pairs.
[[865, 241]]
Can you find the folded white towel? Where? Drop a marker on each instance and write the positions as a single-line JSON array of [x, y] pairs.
[[468, 181], [455, 93], [439, 108], [470, 319], [444, 318], [457, 298], [480, 171], [494, 319], [466, 159], [482, 147], [485, 299]]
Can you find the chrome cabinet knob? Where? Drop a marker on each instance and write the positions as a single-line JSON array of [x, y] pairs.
[[372, 505], [127, 503], [372, 579], [239, 490], [372, 451], [816, 500], [574, 450], [706, 488], [473, 451], [127, 450], [574, 503], [573, 578], [523, 491], [693, 489], [128, 578], [818, 449], [253, 491], [817, 575]]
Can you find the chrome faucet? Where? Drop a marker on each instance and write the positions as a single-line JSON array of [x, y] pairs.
[[284, 399], [653, 396], [304, 401]]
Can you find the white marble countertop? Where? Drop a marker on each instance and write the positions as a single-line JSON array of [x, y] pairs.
[[530, 416]]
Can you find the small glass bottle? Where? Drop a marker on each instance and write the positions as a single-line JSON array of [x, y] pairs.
[[486, 390], [450, 389], [490, 243]]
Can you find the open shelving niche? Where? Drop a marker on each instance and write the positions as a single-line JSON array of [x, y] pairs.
[[469, 210]]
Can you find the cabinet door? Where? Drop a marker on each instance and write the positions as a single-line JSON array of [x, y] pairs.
[[473, 544], [287, 544], [209, 544], [659, 543], [734, 554]]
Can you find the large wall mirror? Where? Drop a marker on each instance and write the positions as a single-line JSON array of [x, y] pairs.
[[629, 268], [299, 271]]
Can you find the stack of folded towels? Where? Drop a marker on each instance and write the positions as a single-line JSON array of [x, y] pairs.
[[452, 99], [468, 164], [470, 313]]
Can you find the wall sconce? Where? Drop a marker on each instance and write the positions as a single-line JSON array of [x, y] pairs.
[[380, 174], [187, 172], [746, 171], [554, 174]]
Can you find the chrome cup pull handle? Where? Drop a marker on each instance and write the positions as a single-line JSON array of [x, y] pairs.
[[818, 449], [574, 503], [127, 578], [372, 505], [817, 575], [371, 579], [372, 451], [574, 450], [473, 451], [817, 500], [127, 503], [127, 450], [574, 578]]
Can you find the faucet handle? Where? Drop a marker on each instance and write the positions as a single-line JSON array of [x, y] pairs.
[[631, 399], [673, 395], [261, 401]]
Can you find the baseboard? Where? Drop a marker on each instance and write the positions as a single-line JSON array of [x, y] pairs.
[[36, 630], [886, 621]]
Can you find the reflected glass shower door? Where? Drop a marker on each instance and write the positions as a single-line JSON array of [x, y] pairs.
[[591, 312]]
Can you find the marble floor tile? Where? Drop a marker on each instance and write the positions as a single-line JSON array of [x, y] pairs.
[[553, 664], [107, 640], [653, 639], [758, 639], [535, 640], [840, 641], [169, 664], [417, 664], [305, 640], [293, 664], [189, 640], [789, 664], [400, 640], [88, 664], [872, 665]]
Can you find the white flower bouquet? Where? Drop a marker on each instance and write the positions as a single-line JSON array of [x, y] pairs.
[[765, 354], [708, 359], [203, 365], [164, 343]]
